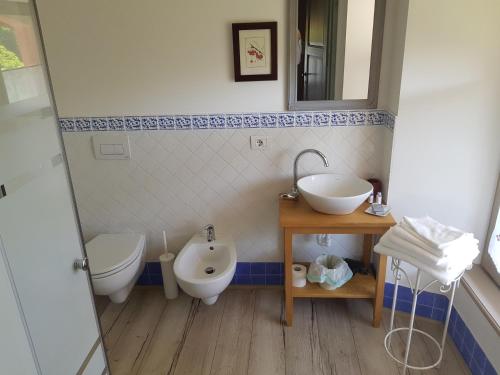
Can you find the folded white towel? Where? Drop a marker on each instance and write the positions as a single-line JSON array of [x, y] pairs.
[[445, 277], [461, 253], [432, 232]]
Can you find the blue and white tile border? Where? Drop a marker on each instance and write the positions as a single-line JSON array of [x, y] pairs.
[[228, 121], [429, 305]]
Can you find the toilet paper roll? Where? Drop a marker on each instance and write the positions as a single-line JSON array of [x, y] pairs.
[[299, 273]]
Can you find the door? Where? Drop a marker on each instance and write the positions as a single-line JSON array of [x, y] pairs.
[[39, 231]]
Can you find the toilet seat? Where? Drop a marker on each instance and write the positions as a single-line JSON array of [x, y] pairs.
[[111, 253]]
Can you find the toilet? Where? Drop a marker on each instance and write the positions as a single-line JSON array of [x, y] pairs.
[[116, 261]]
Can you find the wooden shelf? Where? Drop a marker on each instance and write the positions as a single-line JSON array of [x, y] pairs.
[[360, 286]]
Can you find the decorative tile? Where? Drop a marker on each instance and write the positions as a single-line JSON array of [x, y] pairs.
[[321, 119], [166, 122], [133, 123], [67, 124], [286, 119], [150, 123], [116, 123], [339, 119], [217, 121], [200, 122], [183, 122], [375, 118], [251, 120], [234, 121], [83, 124], [268, 120], [100, 123], [303, 119], [357, 118]]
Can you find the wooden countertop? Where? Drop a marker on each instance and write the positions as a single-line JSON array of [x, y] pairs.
[[300, 214]]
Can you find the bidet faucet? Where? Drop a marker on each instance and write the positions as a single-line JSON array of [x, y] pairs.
[[210, 228], [294, 194]]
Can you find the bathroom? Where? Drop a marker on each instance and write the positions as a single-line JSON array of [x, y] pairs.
[[200, 144]]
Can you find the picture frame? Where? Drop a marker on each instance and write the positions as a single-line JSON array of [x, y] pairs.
[[255, 49]]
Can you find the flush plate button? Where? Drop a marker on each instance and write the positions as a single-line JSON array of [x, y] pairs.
[[3, 192]]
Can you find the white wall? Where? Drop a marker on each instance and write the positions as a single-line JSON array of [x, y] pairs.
[[156, 57], [446, 157]]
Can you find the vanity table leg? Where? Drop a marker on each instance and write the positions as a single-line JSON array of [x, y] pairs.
[[367, 249], [379, 290], [288, 235]]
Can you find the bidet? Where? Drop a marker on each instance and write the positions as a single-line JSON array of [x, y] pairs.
[[205, 266]]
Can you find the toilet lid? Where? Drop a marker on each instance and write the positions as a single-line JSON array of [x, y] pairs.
[[107, 252]]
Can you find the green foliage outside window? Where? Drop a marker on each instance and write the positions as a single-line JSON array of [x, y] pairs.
[[9, 52]]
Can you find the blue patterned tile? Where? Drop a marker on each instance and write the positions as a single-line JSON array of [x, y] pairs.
[[116, 123], [303, 119], [469, 340], [200, 122], [83, 124], [183, 122], [268, 120], [357, 118], [234, 121], [258, 268], [375, 118], [479, 356], [339, 119], [100, 123], [251, 120], [274, 280], [466, 353], [242, 268], [405, 294], [150, 123], [388, 302], [438, 314], [440, 301], [274, 268], [166, 122], [489, 369], [217, 121], [286, 119], [321, 119], [156, 279], [426, 298], [133, 123], [474, 367], [67, 124], [424, 311], [258, 279], [244, 280]]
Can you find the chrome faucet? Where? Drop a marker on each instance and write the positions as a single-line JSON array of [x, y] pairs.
[[294, 194], [210, 228]]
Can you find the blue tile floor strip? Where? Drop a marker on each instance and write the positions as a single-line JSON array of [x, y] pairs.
[[429, 305]]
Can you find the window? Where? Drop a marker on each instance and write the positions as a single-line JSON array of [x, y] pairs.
[[491, 254]]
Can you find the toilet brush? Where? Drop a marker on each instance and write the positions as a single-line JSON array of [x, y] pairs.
[[167, 269]]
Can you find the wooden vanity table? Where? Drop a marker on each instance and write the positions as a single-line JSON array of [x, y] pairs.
[[297, 217]]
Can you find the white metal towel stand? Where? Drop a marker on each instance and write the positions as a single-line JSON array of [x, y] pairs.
[[398, 271]]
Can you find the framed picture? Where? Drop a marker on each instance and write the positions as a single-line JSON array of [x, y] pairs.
[[255, 51]]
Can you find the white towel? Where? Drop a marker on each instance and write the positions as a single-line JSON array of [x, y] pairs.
[[435, 234], [445, 277], [461, 253]]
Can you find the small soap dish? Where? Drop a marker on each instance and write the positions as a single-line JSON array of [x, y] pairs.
[[385, 212]]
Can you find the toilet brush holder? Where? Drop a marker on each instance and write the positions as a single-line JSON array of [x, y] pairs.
[[169, 282]]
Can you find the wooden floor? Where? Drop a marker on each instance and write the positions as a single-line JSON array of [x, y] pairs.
[[243, 334]]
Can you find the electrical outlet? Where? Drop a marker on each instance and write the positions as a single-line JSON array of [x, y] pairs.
[[258, 142]]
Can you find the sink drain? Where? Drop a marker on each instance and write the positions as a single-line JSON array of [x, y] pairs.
[[209, 270]]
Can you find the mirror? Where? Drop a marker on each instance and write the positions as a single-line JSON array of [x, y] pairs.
[[335, 49]]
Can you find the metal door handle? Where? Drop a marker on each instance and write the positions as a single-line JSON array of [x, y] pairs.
[[81, 264]]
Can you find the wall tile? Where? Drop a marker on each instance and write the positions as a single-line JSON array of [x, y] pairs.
[[251, 120], [183, 122], [217, 121], [150, 123], [286, 120], [100, 123], [166, 122], [234, 121], [116, 123], [83, 124], [133, 123], [268, 120]]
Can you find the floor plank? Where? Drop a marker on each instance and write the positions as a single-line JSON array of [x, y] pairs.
[[169, 336], [233, 343], [126, 355], [197, 352], [335, 337], [302, 351], [452, 362], [369, 341], [267, 348]]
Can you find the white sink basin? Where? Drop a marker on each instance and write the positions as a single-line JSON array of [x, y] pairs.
[[334, 194]]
